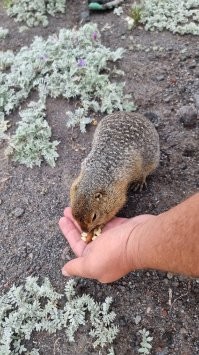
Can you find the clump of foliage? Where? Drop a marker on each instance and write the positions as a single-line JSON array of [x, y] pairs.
[[72, 64], [135, 14], [177, 16], [33, 307], [6, 60], [145, 346], [3, 32], [3, 127], [31, 142], [34, 12]]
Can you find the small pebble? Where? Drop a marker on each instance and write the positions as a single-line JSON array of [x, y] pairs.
[[183, 331], [148, 310], [169, 275], [65, 255], [84, 17], [184, 57], [195, 290], [165, 351], [196, 73], [189, 151], [18, 212], [196, 99], [30, 256], [166, 281], [183, 166], [28, 247], [188, 115], [175, 284], [167, 113], [122, 321], [192, 65], [167, 99], [160, 77], [137, 319]]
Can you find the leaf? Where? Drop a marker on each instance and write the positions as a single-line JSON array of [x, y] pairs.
[[3, 32]]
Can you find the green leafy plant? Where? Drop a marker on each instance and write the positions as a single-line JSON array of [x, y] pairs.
[[7, 3], [74, 65], [177, 16], [34, 12], [31, 142], [145, 346], [135, 14], [3, 32], [35, 307], [6, 60], [3, 127]]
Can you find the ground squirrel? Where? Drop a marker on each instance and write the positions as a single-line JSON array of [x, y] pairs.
[[125, 150]]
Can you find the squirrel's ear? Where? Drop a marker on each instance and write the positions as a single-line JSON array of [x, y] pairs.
[[98, 196]]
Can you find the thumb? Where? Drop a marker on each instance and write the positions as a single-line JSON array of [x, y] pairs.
[[75, 267]]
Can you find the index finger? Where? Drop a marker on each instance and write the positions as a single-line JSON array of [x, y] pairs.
[[72, 234], [68, 214]]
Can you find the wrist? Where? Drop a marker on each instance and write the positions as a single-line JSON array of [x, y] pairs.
[[138, 244]]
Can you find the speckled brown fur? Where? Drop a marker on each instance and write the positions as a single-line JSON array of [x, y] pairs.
[[125, 150]]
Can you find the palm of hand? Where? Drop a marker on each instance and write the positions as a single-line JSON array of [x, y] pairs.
[[108, 257]]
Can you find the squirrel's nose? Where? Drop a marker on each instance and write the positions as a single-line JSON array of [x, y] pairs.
[[84, 226], [80, 220]]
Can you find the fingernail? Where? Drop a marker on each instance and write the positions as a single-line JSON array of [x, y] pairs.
[[64, 272]]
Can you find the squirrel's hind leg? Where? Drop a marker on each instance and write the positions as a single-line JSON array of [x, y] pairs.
[[142, 183]]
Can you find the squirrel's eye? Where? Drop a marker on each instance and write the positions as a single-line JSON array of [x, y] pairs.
[[94, 217]]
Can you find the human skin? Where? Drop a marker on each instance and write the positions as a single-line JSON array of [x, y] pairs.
[[167, 242]]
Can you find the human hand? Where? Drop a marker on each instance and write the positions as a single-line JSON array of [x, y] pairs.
[[110, 256]]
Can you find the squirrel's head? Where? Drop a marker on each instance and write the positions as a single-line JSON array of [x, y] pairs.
[[96, 206]]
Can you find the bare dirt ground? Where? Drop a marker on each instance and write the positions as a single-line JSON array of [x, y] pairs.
[[32, 201]]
